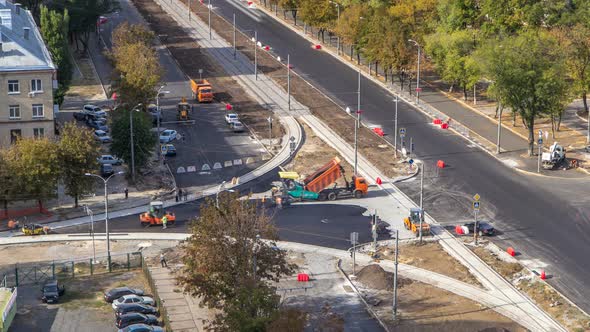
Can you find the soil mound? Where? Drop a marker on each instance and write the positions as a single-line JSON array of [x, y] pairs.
[[373, 276]]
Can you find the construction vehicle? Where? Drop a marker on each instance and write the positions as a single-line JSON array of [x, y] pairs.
[[183, 109], [35, 229], [155, 214], [554, 157], [412, 222], [315, 186], [202, 90]]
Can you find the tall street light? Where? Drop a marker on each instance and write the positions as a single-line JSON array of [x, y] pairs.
[[131, 138], [106, 211], [158, 113], [418, 70]]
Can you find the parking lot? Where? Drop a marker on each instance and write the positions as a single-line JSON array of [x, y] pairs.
[[82, 307], [208, 151]]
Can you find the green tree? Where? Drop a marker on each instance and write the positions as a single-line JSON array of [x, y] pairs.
[[83, 16], [143, 138], [35, 163], [10, 189], [54, 29], [290, 5], [458, 14], [230, 268], [528, 73], [318, 13], [77, 151], [452, 55], [576, 46], [137, 63], [350, 26]]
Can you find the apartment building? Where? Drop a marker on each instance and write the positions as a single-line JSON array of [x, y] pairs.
[[27, 77]]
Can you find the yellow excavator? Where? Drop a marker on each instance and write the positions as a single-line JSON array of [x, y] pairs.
[[183, 110]]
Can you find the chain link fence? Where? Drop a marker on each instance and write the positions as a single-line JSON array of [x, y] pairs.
[[35, 273]]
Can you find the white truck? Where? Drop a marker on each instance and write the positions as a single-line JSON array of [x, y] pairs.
[[554, 157]]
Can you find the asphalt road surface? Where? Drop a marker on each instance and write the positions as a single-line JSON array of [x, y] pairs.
[[324, 225], [539, 222]]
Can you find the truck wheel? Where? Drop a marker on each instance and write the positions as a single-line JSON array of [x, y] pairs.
[[332, 196], [290, 184], [358, 194]]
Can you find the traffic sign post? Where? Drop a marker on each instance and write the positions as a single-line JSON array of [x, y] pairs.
[[402, 135], [476, 206], [540, 145]]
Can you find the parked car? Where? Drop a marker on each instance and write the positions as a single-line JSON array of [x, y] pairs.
[[132, 298], [52, 290], [116, 293], [96, 125], [123, 309], [102, 136], [231, 117], [142, 328], [106, 170], [237, 126], [135, 318], [94, 110], [168, 150], [483, 228], [168, 136], [109, 159], [80, 116]]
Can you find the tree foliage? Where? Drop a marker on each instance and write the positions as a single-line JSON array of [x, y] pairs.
[[136, 62], [34, 164], [77, 150], [143, 138], [528, 73], [221, 256], [54, 30]]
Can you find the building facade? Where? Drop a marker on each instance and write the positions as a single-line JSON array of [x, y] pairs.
[[27, 77]]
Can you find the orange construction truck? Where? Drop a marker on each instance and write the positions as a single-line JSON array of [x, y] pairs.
[[202, 90], [315, 186]]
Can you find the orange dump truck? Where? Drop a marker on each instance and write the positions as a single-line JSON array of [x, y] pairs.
[[315, 186], [202, 90]]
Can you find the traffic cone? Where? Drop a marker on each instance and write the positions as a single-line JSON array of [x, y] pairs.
[[543, 275], [379, 181]]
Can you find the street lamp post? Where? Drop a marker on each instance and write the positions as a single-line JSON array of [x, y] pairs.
[[131, 139], [89, 212], [255, 55], [209, 19], [158, 112], [395, 128], [106, 211], [418, 69], [289, 82]]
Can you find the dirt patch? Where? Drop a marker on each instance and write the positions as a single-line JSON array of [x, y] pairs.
[[191, 58], [85, 85], [553, 303], [373, 276], [430, 256], [422, 307], [505, 269]]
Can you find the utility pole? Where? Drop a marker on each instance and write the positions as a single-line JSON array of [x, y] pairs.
[[234, 35], [499, 132], [357, 124], [540, 144], [270, 131], [132, 145], [395, 129], [395, 276], [374, 231], [421, 198], [89, 212], [289, 82], [359, 99], [189, 10], [418, 69], [209, 19], [411, 146], [255, 55], [476, 206], [106, 218]]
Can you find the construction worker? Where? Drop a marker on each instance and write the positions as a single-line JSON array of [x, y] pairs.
[[164, 221], [12, 224]]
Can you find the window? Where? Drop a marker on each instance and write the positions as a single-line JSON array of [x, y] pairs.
[[14, 112], [15, 134], [38, 132], [36, 86], [13, 87], [38, 111]]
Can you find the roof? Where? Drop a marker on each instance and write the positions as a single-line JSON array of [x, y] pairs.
[[19, 53]]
